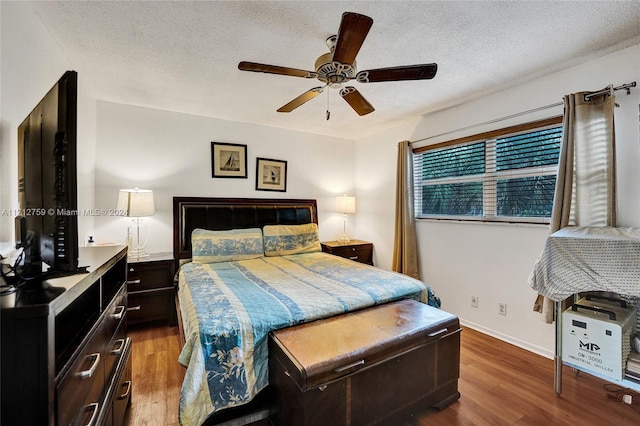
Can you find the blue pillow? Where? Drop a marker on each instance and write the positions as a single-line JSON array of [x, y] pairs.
[[280, 240], [226, 246]]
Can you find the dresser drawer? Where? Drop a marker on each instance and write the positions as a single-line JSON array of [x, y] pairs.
[[154, 305], [359, 251], [114, 328], [115, 348], [122, 396], [86, 372], [115, 314], [92, 406], [149, 275], [151, 290]]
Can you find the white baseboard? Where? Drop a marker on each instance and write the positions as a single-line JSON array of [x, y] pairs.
[[509, 339]]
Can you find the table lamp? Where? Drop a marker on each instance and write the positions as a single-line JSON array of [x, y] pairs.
[[137, 203], [345, 205]]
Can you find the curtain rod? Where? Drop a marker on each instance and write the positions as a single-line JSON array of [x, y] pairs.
[[626, 87], [495, 120]]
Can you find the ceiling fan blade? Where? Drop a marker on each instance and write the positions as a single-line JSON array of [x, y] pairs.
[[274, 69], [306, 96], [356, 100], [411, 72], [351, 34]]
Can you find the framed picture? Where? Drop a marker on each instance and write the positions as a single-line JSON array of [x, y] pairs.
[[228, 160], [271, 175]]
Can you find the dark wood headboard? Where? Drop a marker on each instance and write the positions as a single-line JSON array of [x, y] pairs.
[[220, 214]]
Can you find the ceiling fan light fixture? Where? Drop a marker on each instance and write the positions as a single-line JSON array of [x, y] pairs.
[[339, 66], [332, 72]]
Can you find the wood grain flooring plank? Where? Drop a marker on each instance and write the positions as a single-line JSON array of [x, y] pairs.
[[500, 384]]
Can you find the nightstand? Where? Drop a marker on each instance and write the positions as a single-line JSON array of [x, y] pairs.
[[150, 288], [360, 251]]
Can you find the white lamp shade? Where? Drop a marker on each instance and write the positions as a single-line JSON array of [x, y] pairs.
[[137, 202], [346, 204]]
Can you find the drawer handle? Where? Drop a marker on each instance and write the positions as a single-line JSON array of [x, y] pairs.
[[349, 366], [437, 333], [120, 310], [134, 308], [131, 270], [353, 258], [88, 373], [126, 394], [94, 415], [117, 347], [132, 282]]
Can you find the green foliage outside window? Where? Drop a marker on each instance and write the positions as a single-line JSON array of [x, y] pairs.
[[510, 177]]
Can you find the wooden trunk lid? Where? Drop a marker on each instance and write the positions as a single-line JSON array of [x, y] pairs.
[[327, 350]]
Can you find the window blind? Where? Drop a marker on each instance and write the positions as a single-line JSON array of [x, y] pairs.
[[508, 176]]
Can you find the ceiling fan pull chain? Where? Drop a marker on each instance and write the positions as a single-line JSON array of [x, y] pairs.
[[328, 112]]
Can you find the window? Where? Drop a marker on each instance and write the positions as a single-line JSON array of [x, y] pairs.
[[507, 175]]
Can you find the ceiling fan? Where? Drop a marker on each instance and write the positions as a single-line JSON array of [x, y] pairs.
[[339, 66]]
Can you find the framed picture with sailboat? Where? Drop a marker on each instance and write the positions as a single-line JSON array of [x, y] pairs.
[[228, 160], [271, 175]]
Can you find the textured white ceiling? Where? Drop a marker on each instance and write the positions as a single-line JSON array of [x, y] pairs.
[[183, 56]]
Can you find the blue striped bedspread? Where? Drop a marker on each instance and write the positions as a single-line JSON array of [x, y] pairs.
[[229, 308]]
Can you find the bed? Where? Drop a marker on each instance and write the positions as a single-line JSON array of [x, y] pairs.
[[248, 267]]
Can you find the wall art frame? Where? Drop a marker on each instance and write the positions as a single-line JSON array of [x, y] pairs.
[[228, 160], [271, 175]]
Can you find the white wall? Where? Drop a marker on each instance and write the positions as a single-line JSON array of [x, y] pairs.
[[86, 159], [493, 261], [32, 62], [170, 153]]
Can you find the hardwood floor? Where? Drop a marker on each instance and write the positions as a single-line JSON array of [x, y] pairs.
[[500, 384], [157, 377]]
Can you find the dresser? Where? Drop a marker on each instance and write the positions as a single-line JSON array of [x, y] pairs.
[[360, 251], [151, 290], [66, 356]]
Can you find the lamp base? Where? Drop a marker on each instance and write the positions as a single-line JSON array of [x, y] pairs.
[[137, 253], [344, 239], [137, 240]]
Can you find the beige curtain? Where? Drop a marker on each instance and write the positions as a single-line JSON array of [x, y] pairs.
[[405, 246], [585, 192]]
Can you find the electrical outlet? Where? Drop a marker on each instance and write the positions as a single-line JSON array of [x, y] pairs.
[[474, 301], [502, 308]]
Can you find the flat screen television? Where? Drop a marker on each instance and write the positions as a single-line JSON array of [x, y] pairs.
[[47, 224]]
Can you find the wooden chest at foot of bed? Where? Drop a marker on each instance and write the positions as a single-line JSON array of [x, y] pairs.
[[362, 367]]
